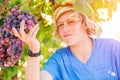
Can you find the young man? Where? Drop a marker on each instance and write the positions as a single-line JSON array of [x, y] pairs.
[[85, 58]]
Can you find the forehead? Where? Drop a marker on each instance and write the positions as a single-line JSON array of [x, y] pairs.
[[67, 15]]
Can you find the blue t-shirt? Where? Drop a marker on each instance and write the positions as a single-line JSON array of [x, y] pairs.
[[103, 64]]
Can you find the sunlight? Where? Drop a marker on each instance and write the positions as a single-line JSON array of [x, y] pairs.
[[103, 13], [111, 28], [48, 18]]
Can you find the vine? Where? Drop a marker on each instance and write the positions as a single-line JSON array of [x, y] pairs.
[[2, 9]]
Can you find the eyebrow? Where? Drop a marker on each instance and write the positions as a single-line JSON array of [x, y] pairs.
[[72, 16]]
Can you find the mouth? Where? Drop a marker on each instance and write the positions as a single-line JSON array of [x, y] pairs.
[[67, 35]]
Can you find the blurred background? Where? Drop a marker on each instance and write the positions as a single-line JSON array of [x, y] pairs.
[[106, 14]]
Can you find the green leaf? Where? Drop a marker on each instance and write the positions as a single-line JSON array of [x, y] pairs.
[[6, 78], [59, 1], [83, 7]]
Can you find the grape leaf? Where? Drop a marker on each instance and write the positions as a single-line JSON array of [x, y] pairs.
[[83, 7], [59, 1]]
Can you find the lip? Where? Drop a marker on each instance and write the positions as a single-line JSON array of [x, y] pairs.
[[67, 35]]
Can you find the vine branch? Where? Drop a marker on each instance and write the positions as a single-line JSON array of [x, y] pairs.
[[28, 1], [2, 10]]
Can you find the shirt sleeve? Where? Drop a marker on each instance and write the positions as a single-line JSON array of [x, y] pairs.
[[52, 67]]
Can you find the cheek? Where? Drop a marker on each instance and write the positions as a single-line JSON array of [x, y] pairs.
[[60, 33], [79, 30]]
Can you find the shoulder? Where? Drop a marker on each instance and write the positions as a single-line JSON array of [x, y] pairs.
[[108, 43], [60, 52], [58, 56]]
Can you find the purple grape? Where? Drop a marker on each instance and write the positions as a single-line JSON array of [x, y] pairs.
[[14, 21], [7, 40], [13, 17], [29, 22], [2, 42], [26, 12], [18, 12], [1, 63], [10, 15], [13, 10], [0, 35], [7, 35], [8, 27], [15, 14], [19, 17], [2, 50], [29, 17], [11, 47], [25, 19], [13, 25]]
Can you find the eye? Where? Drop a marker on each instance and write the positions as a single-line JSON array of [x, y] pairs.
[[71, 22], [60, 25]]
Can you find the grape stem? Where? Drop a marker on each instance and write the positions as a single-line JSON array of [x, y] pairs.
[[2, 9]]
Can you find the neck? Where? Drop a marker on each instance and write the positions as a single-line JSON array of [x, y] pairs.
[[83, 44], [83, 49]]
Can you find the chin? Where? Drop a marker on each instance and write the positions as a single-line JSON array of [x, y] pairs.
[[70, 43]]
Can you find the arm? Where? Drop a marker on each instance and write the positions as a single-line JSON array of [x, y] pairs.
[[44, 75], [32, 69]]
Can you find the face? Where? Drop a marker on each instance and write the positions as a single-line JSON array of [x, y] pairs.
[[71, 28]]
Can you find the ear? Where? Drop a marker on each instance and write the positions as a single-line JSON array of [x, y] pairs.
[[82, 17]]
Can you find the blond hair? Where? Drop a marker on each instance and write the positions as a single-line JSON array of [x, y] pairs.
[[60, 9]]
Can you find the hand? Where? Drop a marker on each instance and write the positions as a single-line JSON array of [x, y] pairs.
[[29, 38]]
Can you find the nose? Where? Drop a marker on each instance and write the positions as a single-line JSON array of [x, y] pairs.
[[66, 27]]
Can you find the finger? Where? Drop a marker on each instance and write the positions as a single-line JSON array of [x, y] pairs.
[[16, 33], [33, 29], [35, 32], [22, 24]]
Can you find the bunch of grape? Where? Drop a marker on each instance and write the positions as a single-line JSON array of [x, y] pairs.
[[11, 47]]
